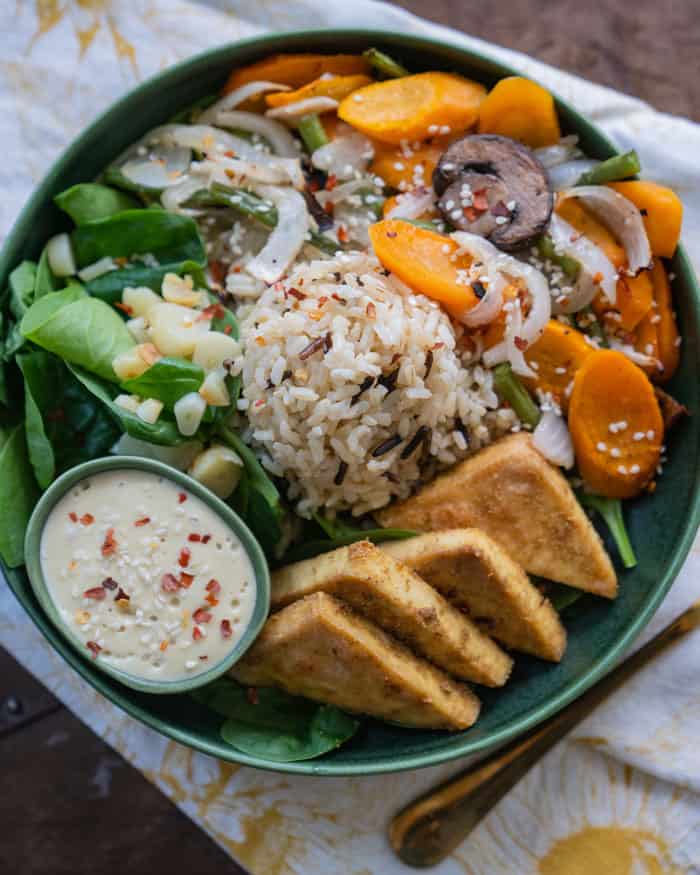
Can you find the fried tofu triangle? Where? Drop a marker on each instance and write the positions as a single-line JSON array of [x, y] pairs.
[[509, 491], [320, 648], [398, 601], [475, 575]]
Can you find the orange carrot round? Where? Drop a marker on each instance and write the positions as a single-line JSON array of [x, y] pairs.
[[669, 349], [662, 212], [424, 261], [335, 87], [296, 70], [615, 425], [522, 110], [556, 357], [407, 168], [414, 107]]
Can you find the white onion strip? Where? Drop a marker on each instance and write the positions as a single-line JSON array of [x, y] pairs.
[[489, 306], [412, 204], [344, 155], [568, 173], [182, 191], [237, 97], [622, 217], [286, 238], [204, 138], [59, 251], [596, 268], [279, 138], [553, 439], [294, 111], [234, 171]]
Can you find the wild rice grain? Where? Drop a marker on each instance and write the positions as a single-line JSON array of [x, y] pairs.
[[421, 435], [386, 446]]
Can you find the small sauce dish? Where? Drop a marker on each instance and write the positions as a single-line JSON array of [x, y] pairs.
[[147, 573]]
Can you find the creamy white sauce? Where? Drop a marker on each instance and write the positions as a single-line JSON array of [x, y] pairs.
[[147, 575]]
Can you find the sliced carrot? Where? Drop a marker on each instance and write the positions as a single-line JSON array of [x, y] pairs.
[[611, 392], [335, 87], [634, 294], [668, 337], [297, 70], [646, 341], [414, 107], [662, 213], [522, 110], [555, 358], [424, 261], [405, 168]]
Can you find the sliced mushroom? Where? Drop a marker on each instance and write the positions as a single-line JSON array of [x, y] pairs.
[[495, 187]]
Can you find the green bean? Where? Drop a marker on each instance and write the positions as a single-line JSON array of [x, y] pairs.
[[312, 132], [510, 389], [615, 168], [546, 249], [384, 64]]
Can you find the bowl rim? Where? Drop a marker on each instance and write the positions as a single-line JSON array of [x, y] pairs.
[[463, 745], [35, 529]]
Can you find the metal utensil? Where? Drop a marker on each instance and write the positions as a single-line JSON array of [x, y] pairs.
[[432, 826]]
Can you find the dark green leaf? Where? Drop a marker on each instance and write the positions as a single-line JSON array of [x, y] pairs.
[[164, 432], [278, 726], [85, 332], [169, 237], [22, 285], [18, 495], [90, 200], [167, 380], [610, 510]]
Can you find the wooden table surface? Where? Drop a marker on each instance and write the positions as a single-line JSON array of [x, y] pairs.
[[70, 805]]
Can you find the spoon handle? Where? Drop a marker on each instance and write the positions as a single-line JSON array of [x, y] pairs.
[[432, 826]]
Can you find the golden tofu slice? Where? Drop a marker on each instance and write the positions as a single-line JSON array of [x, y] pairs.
[[509, 491], [476, 576], [320, 648], [397, 600]]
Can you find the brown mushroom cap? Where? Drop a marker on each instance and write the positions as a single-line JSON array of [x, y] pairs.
[[495, 187]]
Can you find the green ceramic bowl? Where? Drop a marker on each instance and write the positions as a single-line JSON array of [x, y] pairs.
[[32, 543], [661, 528]]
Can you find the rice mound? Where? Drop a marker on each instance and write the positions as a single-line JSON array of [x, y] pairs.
[[356, 389]]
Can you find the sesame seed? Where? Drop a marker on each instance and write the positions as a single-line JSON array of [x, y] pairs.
[[456, 214], [638, 436], [635, 469], [501, 220], [511, 205], [559, 370], [399, 166], [601, 446], [622, 469], [445, 248], [433, 129], [449, 205], [651, 434], [445, 129], [615, 453], [357, 98]]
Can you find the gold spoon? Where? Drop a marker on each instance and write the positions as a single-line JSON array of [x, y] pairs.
[[432, 826]]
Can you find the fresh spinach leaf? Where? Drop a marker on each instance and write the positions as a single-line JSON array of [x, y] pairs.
[[87, 201], [18, 495], [85, 332], [163, 432], [65, 424], [275, 725], [46, 282], [110, 286], [22, 284], [226, 322], [169, 237], [259, 501], [167, 380]]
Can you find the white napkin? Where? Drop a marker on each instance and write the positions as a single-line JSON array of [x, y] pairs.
[[622, 793]]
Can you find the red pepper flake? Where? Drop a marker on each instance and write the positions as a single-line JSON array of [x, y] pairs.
[[438, 345], [259, 403], [295, 293], [186, 579], [203, 658], [184, 557], [329, 208], [313, 185], [194, 538], [169, 583], [97, 593], [251, 695], [392, 234], [597, 278], [371, 310], [181, 498], [197, 633], [213, 311], [214, 587], [217, 269], [228, 329], [344, 234], [122, 596], [125, 308], [226, 630], [520, 343], [331, 182], [229, 153], [206, 539], [109, 545], [337, 298], [164, 645], [73, 517], [212, 599], [471, 214], [144, 521], [94, 648], [109, 583], [480, 200], [323, 300], [201, 615], [87, 519]]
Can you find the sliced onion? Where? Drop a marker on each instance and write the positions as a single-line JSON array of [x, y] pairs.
[[639, 358], [344, 156], [568, 173], [489, 306], [553, 440], [412, 204], [154, 173], [540, 299], [279, 138], [565, 150], [97, 268], [287, 237], [59, 252], [182, 191], [272, 171], [341, 192], [622, 217], [513, 342], [236, 98], [594, 263], [293, 111], [204, 138]]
